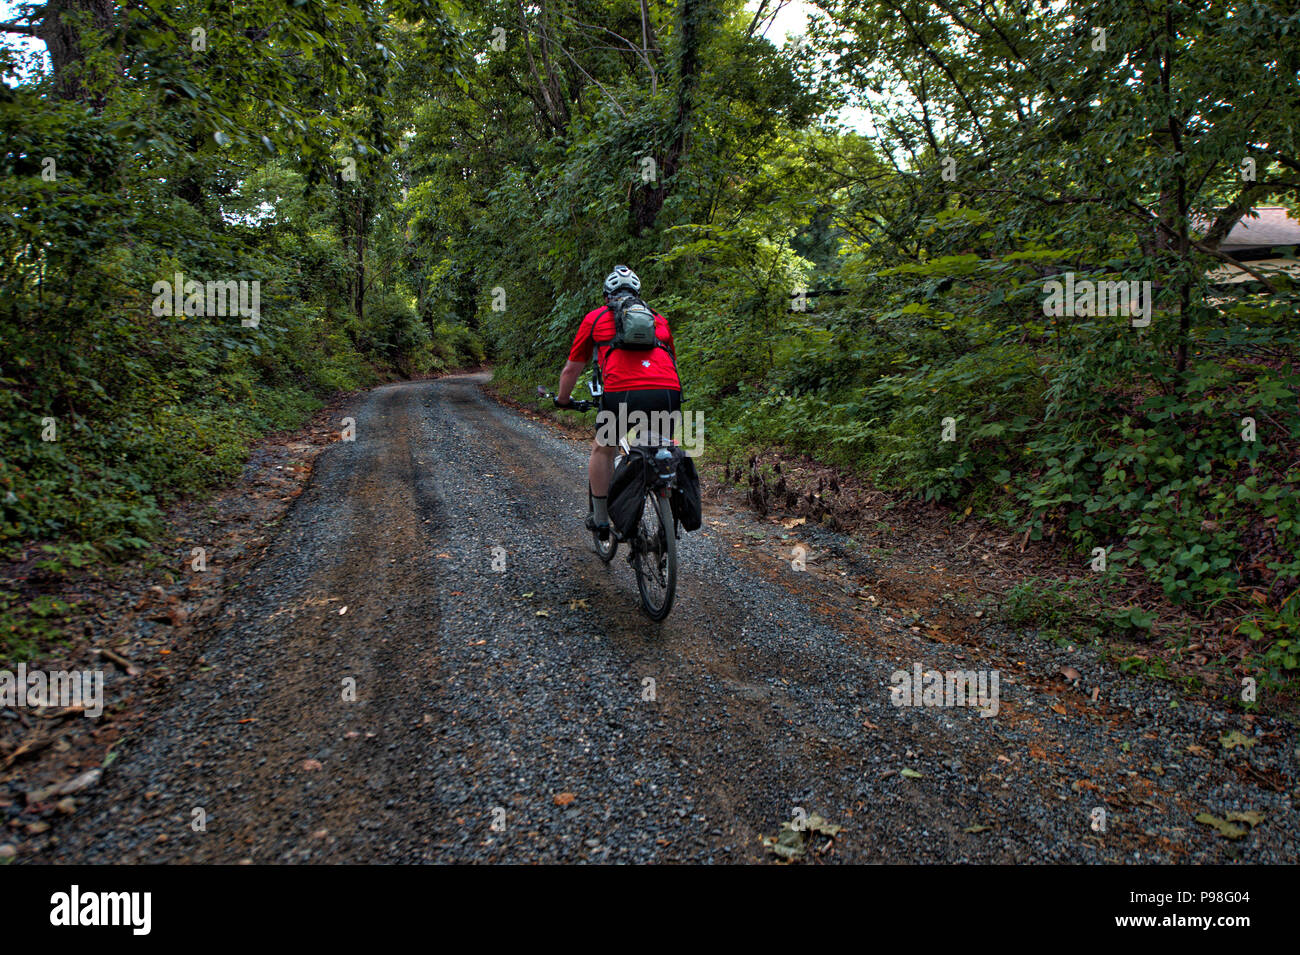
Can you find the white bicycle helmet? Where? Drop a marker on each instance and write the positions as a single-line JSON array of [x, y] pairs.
[[621, 277]]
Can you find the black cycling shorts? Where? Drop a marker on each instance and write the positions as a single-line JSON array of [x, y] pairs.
[[661, 407]]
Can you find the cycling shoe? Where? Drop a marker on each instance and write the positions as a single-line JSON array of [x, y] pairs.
[[600, 530]]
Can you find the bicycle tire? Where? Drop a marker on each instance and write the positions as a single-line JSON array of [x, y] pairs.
[[668, 538]]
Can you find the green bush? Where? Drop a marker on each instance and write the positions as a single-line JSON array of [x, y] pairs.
[[458, 347]]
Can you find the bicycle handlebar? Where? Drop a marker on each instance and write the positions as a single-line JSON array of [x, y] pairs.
[[582, 405]]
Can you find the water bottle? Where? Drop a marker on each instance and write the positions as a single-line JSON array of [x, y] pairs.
[[664, 463]]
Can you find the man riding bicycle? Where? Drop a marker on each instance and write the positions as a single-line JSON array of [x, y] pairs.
[[635, 379]]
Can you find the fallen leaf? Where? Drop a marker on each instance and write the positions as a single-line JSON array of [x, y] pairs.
[[1236, 738], [911, 774], [816, 823], [84, 781], [974, 829], [1226, 829], [563, 799], [793, 840], [789, 843], [312, 764], [1251, 817]]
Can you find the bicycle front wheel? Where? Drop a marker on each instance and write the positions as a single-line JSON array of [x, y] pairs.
[[656, 563]]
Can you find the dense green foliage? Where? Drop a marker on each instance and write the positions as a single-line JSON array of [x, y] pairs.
[[507, 156], [143, 156]]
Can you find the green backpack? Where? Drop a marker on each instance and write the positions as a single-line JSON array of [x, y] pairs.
[[634, 324]]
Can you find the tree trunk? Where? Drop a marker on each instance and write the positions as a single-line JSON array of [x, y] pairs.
[[647, 200], [61, 30]]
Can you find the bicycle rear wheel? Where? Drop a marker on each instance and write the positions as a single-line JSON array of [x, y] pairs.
[[605, 548], [656, 557]]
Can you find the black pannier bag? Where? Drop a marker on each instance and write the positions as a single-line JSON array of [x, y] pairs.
[[627, 493], [686, 496]]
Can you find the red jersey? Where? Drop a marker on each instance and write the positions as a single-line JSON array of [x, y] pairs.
[[624, 369]]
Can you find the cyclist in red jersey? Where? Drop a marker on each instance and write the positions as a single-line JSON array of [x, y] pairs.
[[634, 381]]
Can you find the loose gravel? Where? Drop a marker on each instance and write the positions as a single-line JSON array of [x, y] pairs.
[[430, 664]]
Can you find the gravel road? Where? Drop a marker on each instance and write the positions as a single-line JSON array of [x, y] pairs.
[[512, 703]]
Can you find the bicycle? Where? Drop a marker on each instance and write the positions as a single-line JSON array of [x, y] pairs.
[[653, 546]]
